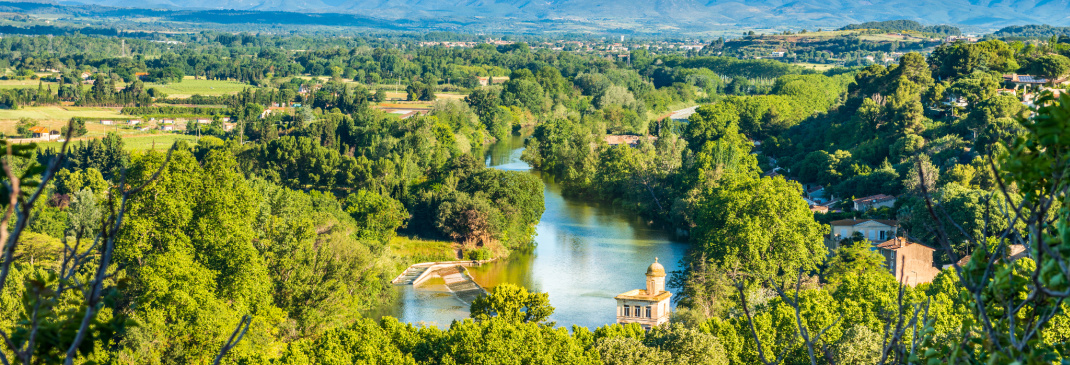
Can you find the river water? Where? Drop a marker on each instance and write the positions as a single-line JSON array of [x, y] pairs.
[[586, 254]]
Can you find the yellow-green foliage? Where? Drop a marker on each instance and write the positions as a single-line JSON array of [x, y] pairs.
[[413, 250]]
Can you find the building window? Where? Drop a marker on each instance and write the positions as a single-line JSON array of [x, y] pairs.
[[648, 312], [627, 311], [883, 233]]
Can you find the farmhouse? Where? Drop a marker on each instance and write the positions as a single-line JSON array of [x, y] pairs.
[[39, 132]]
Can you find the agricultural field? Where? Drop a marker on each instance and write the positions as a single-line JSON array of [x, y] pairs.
[[862, 34], [407, 105], [390, 95], [396, 96], [890, 37], [450, 95], [155, 141], [189, 86], [136, 141], [60, 114], [26, 84], [821, 67]]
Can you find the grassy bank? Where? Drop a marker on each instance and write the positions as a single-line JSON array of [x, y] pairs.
[[414, 250]]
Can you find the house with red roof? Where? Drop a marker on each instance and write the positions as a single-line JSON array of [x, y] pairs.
[[39, 132], [873, 202]]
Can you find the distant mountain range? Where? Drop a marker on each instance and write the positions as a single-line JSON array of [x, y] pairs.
[[684, 14]]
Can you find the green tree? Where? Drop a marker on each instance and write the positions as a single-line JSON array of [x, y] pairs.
[[77, 125], [379, 216], [1051, 66], [629, 351], [975, 87], [22, 128], [69, 183], [853, 260], [362, 342], [513, 304], [922, 175], [758, 227], [189, 259], [859, 345], [525, 93], [687, 345], [83, 215]]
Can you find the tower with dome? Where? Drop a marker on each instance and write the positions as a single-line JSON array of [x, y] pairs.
[[648, 307]]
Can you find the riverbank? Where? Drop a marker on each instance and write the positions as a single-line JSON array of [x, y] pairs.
[[585, 254], [414, 250]]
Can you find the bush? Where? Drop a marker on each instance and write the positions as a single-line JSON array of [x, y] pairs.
[[79, 128], [479, 254]]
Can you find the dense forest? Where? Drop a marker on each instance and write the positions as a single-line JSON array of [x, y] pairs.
[[906, 25], [1033, 31], [265, 241]]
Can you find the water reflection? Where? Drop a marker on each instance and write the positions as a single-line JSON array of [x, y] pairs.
[[586, 254]]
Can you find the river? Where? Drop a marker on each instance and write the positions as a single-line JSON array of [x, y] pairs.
[[586, 254]]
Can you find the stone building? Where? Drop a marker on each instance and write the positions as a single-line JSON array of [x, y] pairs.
[[911, 263], [648, 307]]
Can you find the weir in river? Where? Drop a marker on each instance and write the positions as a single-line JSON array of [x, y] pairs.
[[586, 253], [454, 275]]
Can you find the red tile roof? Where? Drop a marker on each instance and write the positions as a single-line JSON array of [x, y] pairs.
[[874, 199], [855, 222], [899, 242]]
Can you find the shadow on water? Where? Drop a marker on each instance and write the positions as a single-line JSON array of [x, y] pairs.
[[586, 253]]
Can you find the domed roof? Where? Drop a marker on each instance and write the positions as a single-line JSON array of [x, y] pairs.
[[655, 269]]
